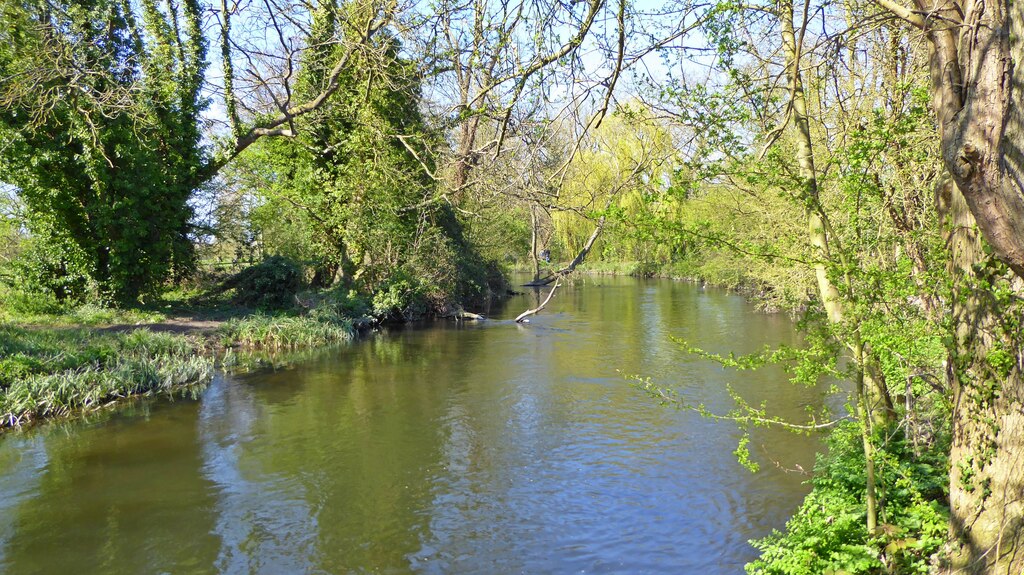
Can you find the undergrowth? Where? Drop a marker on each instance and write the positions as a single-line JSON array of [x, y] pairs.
[[827, 535], [40, 309]]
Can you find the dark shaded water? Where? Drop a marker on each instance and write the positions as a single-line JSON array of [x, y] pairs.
[[475, 448]]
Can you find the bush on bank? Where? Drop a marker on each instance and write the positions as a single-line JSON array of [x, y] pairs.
[[827, 533]]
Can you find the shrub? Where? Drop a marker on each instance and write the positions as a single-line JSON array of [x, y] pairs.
[[270, 284], [401, 297], [48, 271], [340, 303], [22, 302], [828, 533]]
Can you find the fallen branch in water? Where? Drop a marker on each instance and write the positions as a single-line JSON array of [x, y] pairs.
[[522, 317]]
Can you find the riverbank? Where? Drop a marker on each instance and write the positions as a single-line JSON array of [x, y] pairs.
[[56, 359], [767, 297], [56, 370], [88, 357]]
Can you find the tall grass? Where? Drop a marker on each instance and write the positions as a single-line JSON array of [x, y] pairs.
[[52, 372], [286, 332], [97, 385]]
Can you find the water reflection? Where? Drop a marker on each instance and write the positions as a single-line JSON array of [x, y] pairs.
[[459, 448], [22, 461], [106, 497]]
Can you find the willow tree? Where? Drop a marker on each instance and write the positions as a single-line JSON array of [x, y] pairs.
[[100, 131], [620, 170]]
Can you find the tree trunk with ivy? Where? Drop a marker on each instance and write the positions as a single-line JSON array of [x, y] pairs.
[[976, 59], [987, 458]]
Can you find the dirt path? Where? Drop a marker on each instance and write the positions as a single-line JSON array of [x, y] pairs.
[[178, 325]]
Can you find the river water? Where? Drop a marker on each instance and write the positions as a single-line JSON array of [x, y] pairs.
[[484, 448]]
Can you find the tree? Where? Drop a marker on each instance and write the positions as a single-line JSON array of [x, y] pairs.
[[976, 58], [101, 118], [621, 170], [806, 110], [489, 54], [100, 126], [356, 176]]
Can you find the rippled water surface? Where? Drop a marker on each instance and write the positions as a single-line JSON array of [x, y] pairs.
[[476, 448]]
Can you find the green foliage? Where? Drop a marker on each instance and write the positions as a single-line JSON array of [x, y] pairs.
[[91, 387], [23, 304], [268, 285], [345, 303], [47, 372], [827, 533], [620, 174], [352, 195], [42, 308], [501, 233], [99, 132], [818, 357], [742, 454], [94, 314], [49, 269], [402, 296]]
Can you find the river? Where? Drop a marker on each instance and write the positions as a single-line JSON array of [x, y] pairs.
[[484, 447]]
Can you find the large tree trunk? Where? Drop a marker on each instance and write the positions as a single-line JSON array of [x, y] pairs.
[[987, 459], [976, 91], [976, 59], [466, 156], [977, 71]]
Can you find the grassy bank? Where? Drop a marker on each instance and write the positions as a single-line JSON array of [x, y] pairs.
[[58, 368], [47, 372]]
